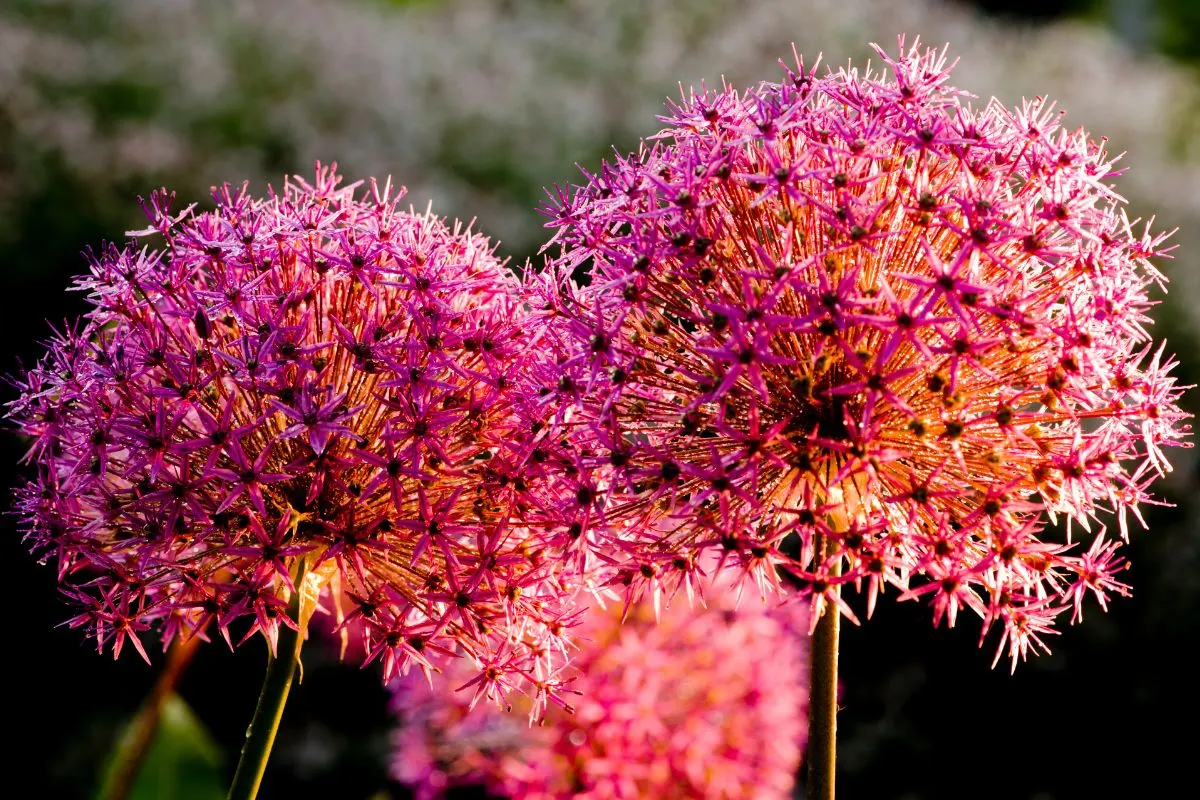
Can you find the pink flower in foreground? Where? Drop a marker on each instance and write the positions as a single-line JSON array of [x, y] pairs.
[[311, 375], [709, 702], [853, 320]]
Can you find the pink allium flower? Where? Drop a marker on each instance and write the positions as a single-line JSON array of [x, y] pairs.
[[311, 375], [855, 309], [709, 702]]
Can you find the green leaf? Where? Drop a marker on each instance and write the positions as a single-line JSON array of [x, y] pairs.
[[183, 761]]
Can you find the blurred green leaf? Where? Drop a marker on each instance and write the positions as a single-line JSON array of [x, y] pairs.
[[183, 762]]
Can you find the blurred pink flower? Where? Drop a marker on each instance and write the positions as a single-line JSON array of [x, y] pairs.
[[854, 308], [310, 375], [709, 702]]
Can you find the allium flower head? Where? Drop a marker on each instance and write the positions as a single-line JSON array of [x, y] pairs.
[[855, 309], [709, 702], [311, 375]]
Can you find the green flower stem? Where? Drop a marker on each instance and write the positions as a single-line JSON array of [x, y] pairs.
[[822, 719], [281, 670]]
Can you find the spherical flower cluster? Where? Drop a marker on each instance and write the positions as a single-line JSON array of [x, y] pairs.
[[307, 382], [707, 702], [852, 321]]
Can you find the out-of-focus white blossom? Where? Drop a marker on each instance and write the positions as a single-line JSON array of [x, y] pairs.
[[479, 103]]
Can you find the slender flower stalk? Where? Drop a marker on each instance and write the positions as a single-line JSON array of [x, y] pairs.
[[855, 310], [277, 684], [821, 762]]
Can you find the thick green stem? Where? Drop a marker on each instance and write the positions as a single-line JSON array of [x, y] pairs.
[[281, 670], [822, 717]]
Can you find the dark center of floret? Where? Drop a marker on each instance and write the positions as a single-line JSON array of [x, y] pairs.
[[822, 413]]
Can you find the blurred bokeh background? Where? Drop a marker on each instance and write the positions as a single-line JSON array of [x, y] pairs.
[[476, 105]]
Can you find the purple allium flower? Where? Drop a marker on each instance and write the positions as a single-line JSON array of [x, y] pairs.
[[311, 375], [854, 309], [707, 702]]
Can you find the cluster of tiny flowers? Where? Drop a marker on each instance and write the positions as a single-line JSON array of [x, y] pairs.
[[307, 382], [707, 702], [849, 329]]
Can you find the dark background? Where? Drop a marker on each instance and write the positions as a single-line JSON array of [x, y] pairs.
[[1110, 714]]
